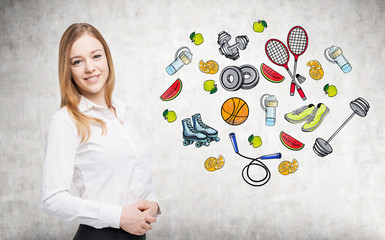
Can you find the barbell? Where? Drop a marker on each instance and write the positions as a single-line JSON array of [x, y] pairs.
[[360, 107]]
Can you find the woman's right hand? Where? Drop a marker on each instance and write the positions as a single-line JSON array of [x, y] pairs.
[[134, 221]]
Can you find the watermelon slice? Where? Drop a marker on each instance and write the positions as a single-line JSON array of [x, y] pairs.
[[173, 91], [290, 142], [270, 74]]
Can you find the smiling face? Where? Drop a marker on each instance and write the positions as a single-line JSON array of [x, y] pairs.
[[89, 68]]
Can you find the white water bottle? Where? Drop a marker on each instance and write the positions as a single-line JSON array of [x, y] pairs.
[[335, 53], [182, 59], [269, 104]]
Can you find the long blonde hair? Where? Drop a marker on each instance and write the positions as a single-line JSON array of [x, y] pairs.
[[70, 95]]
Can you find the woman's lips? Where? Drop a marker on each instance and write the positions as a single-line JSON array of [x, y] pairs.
[[92, 78]]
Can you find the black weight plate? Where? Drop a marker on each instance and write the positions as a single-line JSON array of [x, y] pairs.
[[253, 79], [360, 106], [231, 78], [322, 148]]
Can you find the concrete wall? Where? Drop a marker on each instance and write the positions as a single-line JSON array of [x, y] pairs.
[[337, 197]]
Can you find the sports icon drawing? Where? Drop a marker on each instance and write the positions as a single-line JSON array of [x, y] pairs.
[[312, 115], [269, 104], [270, 74], [286, 167], [169, 115], [249, 179], [290, 142], [210, 86], [233, 78], [212, 163], [209, 67], [231, 52], [198, 132], [181, 58], [316, 72], [334, 55], [234, 111], [173, 91], [196, 38]]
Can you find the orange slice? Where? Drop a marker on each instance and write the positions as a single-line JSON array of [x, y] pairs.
[[212, 66], [210, 164], [202, 66], [294, 166], [314, 63], [284, 167], [315, 73], [220, 162]]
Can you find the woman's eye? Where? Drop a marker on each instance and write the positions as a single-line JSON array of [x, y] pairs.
[[77, 62], [97, 56]]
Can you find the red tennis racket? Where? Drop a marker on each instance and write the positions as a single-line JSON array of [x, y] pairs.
[[297, 42], [278, 54]]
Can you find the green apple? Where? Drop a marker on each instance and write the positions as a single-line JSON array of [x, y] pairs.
[[256, 141], [259, 26], [331, 90], [170, 116], [210, 86], [196, 38]]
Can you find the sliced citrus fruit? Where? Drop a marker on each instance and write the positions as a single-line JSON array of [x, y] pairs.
[[294, 166], [315, 73], [314, 63], [210, 164], [220, 162], [202, 66], [284, 167], [212, 66]]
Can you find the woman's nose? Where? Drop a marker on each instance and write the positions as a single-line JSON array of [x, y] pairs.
[[89, 66]]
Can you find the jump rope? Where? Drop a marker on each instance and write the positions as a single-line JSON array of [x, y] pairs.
[[256, 162]]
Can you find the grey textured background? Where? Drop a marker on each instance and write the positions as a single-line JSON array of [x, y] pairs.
[[337, 197]]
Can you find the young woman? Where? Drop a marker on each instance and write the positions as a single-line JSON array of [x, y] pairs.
[[94, 142]]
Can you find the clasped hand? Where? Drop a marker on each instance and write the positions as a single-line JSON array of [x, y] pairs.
[[137, 218]]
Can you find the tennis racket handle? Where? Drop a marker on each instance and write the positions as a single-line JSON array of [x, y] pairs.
[[272, 156], [301, 93], [292, 88], [234, 142]]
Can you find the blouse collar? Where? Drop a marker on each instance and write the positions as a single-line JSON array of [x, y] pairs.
[[85, 104]]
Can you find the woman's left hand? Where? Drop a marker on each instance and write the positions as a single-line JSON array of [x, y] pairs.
[[153, 209]]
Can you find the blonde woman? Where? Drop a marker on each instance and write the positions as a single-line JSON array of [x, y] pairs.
[[93, 141]]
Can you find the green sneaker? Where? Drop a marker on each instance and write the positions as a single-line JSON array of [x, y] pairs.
[[300, 114], [315, 118]]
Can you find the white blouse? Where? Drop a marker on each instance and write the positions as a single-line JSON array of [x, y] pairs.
[[109, 171]]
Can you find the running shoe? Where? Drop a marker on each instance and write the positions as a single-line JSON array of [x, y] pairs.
[[300, 114], [315, 119]]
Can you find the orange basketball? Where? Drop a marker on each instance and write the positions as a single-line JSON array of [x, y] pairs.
[[234, 111]]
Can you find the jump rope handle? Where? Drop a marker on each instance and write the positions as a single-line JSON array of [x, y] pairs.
[[272, 156], [234, 142], [235, 146]]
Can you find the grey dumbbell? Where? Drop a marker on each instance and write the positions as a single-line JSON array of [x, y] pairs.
[[232, 51], [360, 107], [223, 37]]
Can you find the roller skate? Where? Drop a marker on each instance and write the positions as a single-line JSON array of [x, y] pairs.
[[190, 135], [210, 132]]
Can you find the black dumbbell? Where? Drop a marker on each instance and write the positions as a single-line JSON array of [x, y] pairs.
[[360, 107], [232, 51]]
